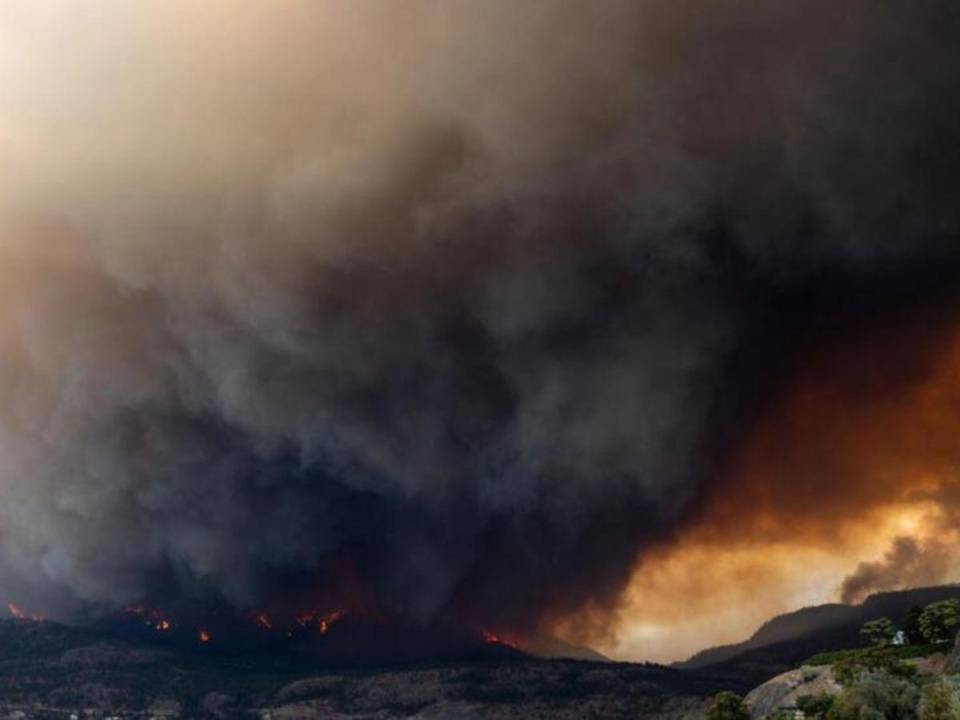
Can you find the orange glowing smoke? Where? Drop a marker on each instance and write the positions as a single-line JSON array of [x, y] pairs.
[[855, 452], [204, 636], [863, 425]]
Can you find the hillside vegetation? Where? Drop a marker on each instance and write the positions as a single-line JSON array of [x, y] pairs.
[[906, 671]]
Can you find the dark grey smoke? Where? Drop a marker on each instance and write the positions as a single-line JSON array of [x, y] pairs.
[[917, 561], [448, 307], [909, 563]]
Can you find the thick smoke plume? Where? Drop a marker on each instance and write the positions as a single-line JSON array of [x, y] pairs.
[[907, 564], [927, 555], [445, 307]]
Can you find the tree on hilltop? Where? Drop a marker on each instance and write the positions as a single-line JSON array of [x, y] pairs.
[[911, 625], [879, 632], [939, 621]]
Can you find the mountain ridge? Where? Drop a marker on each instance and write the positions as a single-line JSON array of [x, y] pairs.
[[787, 639]]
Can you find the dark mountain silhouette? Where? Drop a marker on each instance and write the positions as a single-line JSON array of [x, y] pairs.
[[781, 628], [787, 640]]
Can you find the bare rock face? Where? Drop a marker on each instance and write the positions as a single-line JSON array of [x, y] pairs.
[[786, 688]]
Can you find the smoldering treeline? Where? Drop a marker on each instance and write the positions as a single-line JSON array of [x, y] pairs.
[[445, 307]]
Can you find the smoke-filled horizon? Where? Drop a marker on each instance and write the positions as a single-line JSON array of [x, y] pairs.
[[463, 309]]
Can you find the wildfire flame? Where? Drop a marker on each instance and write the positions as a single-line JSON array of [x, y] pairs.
[[19, 614], [494, 639], [322, 621], [160, 621], [309, 623]]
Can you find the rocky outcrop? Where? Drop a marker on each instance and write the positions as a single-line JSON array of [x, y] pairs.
[[785, 689]]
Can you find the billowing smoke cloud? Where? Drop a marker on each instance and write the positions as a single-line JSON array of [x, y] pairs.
[[449, 307], [927, 554], [907, 564]]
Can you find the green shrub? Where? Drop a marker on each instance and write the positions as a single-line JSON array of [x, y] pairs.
[[879, 632], [876, 697], [728, 706], [939, 621], [939, 701], [852, 667], [904, 652], [815, 707], [911, 625]]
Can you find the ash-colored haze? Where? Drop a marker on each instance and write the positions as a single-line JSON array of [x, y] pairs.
[[462, 295]]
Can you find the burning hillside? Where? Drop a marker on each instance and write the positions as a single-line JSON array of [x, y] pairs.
[[329, 637]]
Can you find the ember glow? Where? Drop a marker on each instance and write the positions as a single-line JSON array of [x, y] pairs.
[[240, 628], [494, 639], [17, 614], [627, 322], [322, 621]]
